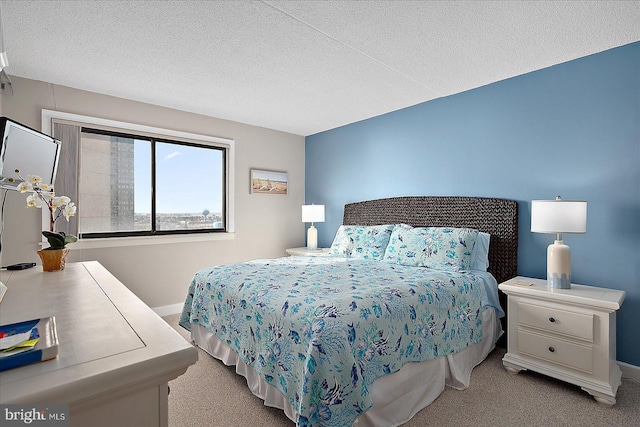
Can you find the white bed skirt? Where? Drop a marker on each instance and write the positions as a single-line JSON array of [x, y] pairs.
[[396, 397]]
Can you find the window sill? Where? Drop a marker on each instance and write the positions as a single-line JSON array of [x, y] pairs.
[[114, 242]]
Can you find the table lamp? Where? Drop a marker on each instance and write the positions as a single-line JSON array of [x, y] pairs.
[[558, 216], [312, 213]]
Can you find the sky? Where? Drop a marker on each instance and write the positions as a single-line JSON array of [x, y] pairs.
[[189, 179], [274, 176]]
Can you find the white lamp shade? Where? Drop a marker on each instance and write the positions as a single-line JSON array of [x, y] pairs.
[[313, 213], [558, 216]]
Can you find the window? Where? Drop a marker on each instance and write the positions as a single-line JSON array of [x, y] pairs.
[[131, 185], [134, 180]]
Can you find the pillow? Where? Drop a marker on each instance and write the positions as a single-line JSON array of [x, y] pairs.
[[480, 252], [441, 248], [358, 241]]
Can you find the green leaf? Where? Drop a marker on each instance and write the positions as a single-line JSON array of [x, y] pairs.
[[70, 239], [58, 240]]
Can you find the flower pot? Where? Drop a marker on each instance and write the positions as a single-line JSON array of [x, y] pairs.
[[53, 259]]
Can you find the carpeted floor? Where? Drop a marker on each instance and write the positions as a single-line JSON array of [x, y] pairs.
[[213, 395]]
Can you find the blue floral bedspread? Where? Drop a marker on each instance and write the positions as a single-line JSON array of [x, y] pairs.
[[323, 329]]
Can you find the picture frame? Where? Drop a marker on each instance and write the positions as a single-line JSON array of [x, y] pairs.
[[268, 182]]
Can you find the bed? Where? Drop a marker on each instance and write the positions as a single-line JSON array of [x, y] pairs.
[[369, 334]]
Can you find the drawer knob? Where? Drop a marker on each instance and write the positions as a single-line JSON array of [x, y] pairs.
[[552, 319], [551, 349]]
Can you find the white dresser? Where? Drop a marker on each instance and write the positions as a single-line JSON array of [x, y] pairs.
[[569, 334], [115, 355]]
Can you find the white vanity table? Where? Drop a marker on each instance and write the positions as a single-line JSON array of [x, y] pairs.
[[115, 355]]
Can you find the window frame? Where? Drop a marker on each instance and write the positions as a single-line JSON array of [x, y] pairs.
[[153, 190], [164, 135]]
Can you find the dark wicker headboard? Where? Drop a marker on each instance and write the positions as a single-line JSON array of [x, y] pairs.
[[498, 217]]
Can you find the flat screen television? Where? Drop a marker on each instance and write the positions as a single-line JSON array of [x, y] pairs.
[[29, 151]]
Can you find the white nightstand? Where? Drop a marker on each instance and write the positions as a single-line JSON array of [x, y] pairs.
[[306, 252], [568, 334]]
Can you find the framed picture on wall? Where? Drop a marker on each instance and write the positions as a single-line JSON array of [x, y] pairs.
[[268, 182]]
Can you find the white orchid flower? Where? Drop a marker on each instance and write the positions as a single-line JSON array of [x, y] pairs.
[[33, 201], [47, 196], [34, 179], [43, 195], [60, 201], [24, 186], [69, 210]]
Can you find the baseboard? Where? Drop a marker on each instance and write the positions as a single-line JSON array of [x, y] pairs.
[[630, 371], [167, 310]]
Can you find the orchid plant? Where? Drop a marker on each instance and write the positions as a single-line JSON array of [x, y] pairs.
[[42, 194]]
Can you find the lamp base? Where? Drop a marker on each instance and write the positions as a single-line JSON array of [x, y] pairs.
[[559, 265], [312, 238]]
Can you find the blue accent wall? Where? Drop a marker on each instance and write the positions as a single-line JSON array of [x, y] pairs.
[[571, 130]]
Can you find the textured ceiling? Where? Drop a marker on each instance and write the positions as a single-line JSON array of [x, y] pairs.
[[301, 67]]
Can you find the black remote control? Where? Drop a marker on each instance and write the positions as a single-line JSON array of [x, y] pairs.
[[21, 266]]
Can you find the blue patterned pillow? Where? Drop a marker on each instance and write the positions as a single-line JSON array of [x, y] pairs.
[[441, 248], [358, 241]]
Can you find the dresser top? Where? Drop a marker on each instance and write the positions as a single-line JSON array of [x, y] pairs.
[[103, 331]]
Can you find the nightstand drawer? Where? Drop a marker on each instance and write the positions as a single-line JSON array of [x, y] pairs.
[[558, 351], [569, 323]]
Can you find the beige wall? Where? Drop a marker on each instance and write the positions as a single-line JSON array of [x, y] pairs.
[[159, 274]]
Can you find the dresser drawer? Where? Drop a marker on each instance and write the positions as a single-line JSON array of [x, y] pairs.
[[569, 323], [576, 356]]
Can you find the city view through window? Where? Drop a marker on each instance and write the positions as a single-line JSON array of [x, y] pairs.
[[115, 189]]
